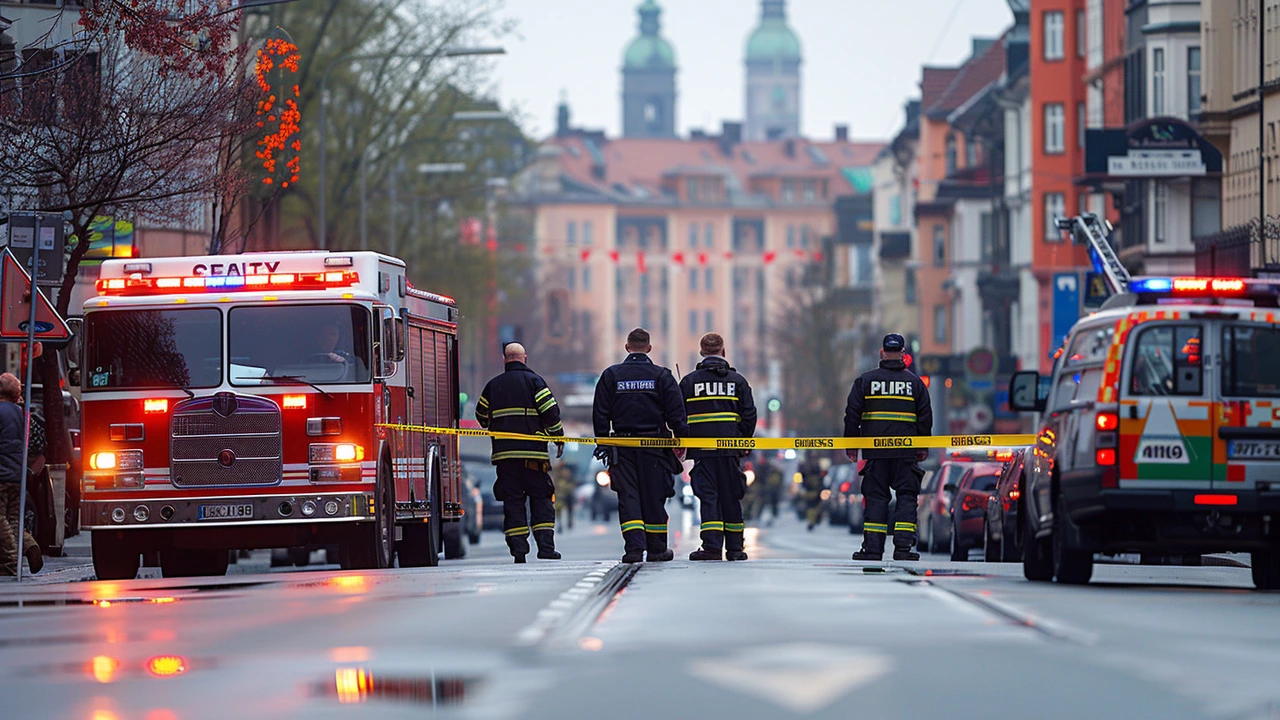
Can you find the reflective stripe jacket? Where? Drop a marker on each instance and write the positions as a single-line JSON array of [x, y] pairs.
[[718, 404], [518, 401], [636, 397], [889, 401]]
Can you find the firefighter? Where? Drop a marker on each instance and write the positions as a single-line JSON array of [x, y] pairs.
[[889, 401], [810, 495], [566, 490], [718, 404], [518, 401], [637, 398]]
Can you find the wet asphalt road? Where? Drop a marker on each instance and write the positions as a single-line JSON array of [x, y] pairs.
[[798, 631]]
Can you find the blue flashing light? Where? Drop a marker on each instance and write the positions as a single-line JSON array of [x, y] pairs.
[[1151, 285]]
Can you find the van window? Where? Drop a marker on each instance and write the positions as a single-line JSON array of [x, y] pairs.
[[1167, 361], [1249, 365], [1079, 385], [1089, 345]]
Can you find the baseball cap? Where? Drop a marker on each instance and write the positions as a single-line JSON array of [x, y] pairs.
[[894, 342]]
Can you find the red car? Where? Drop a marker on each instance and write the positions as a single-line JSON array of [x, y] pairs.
[[935, 498], [969, 506]]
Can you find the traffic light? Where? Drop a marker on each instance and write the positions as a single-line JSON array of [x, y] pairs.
[[462, 403], [774, 405]]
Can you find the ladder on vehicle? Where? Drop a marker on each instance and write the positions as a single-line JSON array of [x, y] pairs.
[[1088, 229]]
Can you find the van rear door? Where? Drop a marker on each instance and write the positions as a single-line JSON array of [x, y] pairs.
[[1166, 427], [1248, 425]]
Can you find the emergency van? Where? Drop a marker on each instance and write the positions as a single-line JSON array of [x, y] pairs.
[[234, 402], [1159, 431]]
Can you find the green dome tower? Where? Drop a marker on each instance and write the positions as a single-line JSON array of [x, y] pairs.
[[773, 76], [649, 79]]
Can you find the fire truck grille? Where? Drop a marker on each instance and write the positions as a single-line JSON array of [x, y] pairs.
[[225, 440]]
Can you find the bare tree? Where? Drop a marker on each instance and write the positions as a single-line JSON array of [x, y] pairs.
[[824, 359]]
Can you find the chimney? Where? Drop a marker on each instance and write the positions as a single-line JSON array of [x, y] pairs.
[[790, 147], [842, 133], [913, 111], [730, 137], [562, 119]]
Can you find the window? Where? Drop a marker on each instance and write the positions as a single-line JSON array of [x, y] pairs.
[[895, 210], [1081, 123], [810, 190], [1095, 33], [971, 153], [865, 268], [1089, 345], [1193, 81], [940, 323], [586, 232], [666, 321], [804, 236], [951, 154], [709, 321], [693, 322], [788, 191], [693, 280], [300, 341], [586, 279], [909, 286], [1157, 81], [708, 235], [1054, 129], [1082, 37], [157, 349], [571, 233], [1246, 355], [939, 245], [693, 235], [1053, 30], [706, 279], [1055, 206], [1159, 212], [573, 278], [791, 236], [1166, 361]]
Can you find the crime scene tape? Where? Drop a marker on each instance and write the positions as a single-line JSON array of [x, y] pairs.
[[760, 443]]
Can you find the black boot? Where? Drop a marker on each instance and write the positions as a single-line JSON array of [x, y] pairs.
[[546, 545], [661, 556], [735, 555], [905, 553], [872, 547], [702, 554], [519, 559], [633, 557]]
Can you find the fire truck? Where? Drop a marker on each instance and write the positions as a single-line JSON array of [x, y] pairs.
[[235, 402]]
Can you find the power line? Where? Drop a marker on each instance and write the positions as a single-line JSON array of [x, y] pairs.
[[946, 29]]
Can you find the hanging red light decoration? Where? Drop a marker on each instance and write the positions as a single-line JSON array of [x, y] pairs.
[[281, 125]]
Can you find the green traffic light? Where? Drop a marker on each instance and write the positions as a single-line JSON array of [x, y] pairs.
[[775, 405], [462, 398]]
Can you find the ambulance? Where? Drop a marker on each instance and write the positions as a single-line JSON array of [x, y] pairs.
[[234, 402], [1159, 431]]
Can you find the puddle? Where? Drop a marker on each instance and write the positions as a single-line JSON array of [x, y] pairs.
[[357, 685]]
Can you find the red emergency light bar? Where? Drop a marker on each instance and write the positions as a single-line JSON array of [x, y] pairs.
[[227, 283], [1199, 286]]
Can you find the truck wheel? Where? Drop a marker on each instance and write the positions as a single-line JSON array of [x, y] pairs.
[[1071, 566], [455, 548], [1037, 554], [990, 548], [420, 541], [181, 562], [299, 556], [280, 557], [113, 559], [1266, 569], [371, 545]]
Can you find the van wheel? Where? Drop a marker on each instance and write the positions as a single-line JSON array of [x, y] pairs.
[[991, 551], [1266, 569], [1070, 565], [181, 562], [371, 545], [958, 553], [113, 559], [1037, 554]]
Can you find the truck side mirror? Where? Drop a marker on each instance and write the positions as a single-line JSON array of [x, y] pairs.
[[1028, 392], [75, 346], [386, 347]]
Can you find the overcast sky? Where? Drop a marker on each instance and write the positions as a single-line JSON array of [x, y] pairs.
[[862, 58]]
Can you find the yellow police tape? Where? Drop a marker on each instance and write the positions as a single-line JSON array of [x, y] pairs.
[[761, 443]]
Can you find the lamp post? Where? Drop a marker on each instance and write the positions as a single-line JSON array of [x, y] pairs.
[[324, 107]]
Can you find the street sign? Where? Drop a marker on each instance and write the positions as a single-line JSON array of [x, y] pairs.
[[980, 363], [1066, 305], [22, 238], [15, 307]]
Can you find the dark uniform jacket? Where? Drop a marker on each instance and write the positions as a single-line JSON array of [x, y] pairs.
[[12, 440], [518, 401], [890, 401], [718, 404], [637, 398]]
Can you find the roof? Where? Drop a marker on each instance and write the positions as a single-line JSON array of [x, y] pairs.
[[976, 74], [934, 81], [632, 169]]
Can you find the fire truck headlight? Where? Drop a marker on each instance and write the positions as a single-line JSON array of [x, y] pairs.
[[309, 508], [347, 452], [331, 507], [103, 461]]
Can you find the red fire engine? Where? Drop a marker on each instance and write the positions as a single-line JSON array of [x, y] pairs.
[[234, 401]]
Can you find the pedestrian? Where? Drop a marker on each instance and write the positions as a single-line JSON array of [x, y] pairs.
[[810, 495], [518, 401], [637, 398], [890, 401], [566, 491], [718, 404], [12, 444]]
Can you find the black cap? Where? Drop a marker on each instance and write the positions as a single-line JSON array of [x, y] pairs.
[[894, 342]]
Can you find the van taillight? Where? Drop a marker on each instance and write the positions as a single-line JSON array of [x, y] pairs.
[[1108, 421], [1106, 460]]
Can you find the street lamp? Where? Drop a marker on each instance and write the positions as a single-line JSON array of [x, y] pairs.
[[324, 107]]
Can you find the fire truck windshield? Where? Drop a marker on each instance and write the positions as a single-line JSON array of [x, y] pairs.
[[325, 344], [139, 349]]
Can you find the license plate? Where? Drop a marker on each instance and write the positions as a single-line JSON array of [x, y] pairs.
[[1254, 449], [226, 512]]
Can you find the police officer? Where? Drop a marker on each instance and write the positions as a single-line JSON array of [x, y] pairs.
[[637, 398], [889, 401], [718, 404], [518, 401]]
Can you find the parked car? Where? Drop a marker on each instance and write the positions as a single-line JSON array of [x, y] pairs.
[[1002, 543], [484, 474], [935, 500], [838, 483], [969, 506], [473, 520]]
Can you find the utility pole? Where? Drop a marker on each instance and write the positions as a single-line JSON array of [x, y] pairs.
[[1262, 137]]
